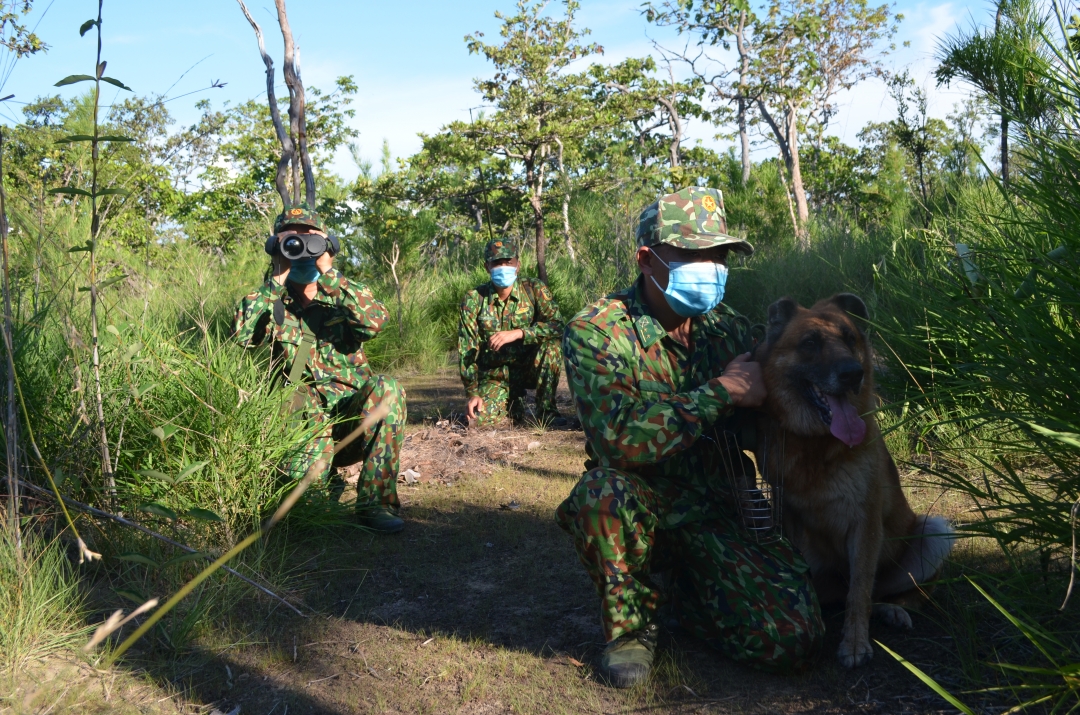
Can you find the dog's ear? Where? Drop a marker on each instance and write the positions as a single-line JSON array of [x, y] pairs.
[[780, 314], [853, 305]]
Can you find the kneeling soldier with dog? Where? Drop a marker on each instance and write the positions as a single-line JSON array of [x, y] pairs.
[[654, 370]]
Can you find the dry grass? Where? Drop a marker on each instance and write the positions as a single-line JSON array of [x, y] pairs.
[[70, 685], [480, 606]]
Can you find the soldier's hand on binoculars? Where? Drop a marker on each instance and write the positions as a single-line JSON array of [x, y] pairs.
[[324, 262]]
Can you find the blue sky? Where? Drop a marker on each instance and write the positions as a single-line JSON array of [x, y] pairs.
[[409, 59]]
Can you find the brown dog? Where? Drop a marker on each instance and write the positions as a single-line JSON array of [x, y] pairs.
[[820, 447]]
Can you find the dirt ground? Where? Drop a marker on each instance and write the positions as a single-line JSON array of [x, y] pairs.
[[480, 606]]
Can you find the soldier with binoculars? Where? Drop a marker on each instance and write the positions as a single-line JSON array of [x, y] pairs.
[[316, 321]]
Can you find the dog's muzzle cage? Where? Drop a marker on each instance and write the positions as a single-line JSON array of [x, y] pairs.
[[755, 492]]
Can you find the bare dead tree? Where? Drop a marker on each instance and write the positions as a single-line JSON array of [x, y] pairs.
[[294, 149]]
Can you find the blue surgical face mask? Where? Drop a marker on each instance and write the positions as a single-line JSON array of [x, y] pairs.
[[503, 276], [693, 288], [304, 271]]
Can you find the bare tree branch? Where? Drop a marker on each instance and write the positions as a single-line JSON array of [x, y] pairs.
[[287, 148], [297, 122]]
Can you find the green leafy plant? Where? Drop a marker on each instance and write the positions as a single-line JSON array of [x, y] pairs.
[[95, 193], [1054, 686]]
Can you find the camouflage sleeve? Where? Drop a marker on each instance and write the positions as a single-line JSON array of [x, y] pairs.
[[469, 343], [546, 324], [622, 427], [365, 314], [252, 321]]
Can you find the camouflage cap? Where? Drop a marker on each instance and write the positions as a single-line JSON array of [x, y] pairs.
[[692, 218], [499, 249], [297, 215]]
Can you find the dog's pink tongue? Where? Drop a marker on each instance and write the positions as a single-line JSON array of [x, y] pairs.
[[846, 425]]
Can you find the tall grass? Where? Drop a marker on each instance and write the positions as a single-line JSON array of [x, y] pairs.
[[983, 317], [984, 321], [41, 602], [196, 423]]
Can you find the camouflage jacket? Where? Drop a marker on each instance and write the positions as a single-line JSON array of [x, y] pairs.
[[342, 316], [529, 307], [647, 404]]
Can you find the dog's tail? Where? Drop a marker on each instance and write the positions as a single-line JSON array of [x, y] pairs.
[[930, 543]]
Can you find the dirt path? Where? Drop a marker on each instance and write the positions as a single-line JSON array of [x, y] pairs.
[[480, 606]]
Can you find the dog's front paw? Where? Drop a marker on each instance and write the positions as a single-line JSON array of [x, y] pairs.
[[893, 615], [854, 652]]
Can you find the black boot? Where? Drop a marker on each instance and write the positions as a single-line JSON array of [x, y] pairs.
[[380, 520], [628, 659]]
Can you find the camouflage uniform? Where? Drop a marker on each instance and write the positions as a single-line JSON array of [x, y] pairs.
[[657, 493], [337, 382], [501, 377]]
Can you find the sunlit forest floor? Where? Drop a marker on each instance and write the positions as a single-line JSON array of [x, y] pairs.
[[480, 606]]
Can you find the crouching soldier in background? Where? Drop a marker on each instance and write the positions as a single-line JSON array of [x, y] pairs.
[[652, 370], [316, 322], [508, 340]]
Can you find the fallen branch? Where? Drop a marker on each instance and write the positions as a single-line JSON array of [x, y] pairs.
[[126, 522]]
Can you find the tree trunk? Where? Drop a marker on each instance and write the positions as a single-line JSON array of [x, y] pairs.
[[787, 194], [744, 141], [674, 123], [566, 204], [797, 188], [1005, 150], [534, 177], [541, 240], [787, 140], [288, 149], [395, 255], [744, 70]]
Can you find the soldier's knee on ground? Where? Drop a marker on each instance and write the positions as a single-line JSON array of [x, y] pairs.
[[794, 649], [790, 648], [806, 644]]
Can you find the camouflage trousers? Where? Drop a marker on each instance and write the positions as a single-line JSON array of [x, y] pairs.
[[503, 388], [378, 449], [753, 602]]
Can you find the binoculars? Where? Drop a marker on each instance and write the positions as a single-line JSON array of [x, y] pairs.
[[297, 246]]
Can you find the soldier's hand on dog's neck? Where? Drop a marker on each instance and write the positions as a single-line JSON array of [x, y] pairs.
[[742, 377]]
